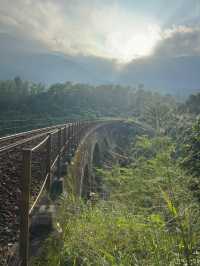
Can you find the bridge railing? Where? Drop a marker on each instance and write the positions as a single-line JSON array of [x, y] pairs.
[[48, 153]]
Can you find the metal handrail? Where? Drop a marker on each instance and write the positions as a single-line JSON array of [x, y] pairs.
[[21, 142], [25, 133], [40, 144], [39, 195], [73, 136]]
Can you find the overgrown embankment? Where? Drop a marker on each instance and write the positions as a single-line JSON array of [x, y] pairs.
[[151, 216]]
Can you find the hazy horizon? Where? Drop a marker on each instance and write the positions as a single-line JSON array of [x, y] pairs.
[[155, 42]]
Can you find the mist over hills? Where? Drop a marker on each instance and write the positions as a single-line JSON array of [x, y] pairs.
[[174, 75], [34, 63]]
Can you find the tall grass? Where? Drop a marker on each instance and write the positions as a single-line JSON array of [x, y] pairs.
[[149, 219]]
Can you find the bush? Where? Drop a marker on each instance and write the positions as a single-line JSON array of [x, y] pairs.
[[150, 217]]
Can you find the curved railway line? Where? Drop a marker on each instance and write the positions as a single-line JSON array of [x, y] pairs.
[[10, 175], [14, 139], [29, 163]]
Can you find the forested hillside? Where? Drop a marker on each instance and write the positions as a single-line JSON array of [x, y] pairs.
[[25, 105], [21, 99]]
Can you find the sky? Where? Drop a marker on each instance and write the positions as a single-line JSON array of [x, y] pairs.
[[120, 30]]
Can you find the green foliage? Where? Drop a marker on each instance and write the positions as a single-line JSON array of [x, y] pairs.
[[192, 104], [192, 151], [190, 157], [22, 100], [150, 217], [159, 114]]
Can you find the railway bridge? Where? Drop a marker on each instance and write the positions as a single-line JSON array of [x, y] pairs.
[[41, 162]]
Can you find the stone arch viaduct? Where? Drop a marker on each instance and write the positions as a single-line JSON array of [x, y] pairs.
[[94, 148], [65, 157]]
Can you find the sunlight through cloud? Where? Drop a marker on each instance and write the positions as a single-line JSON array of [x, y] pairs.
[[103, 30]]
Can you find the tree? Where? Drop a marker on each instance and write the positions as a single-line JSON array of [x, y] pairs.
[[191, 161]]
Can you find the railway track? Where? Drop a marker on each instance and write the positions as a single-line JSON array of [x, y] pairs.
[[10, 174], [15, 138]]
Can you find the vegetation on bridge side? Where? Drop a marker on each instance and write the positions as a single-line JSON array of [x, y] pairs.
[[151, 216]]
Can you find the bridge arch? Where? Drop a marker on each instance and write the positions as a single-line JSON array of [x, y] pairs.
[[95, 150]]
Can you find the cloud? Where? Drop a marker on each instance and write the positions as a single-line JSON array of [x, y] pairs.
[[38, 20], [99, 28], [94, 28], [179, 41]]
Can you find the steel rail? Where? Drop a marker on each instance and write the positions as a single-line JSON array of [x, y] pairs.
[[21, 142], [21, 134]]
